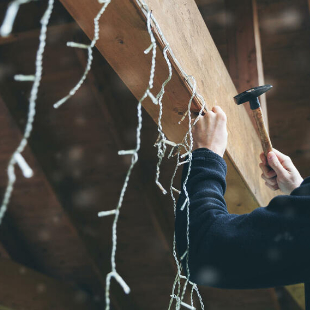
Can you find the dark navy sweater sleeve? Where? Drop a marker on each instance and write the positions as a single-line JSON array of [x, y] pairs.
[[265, 248]]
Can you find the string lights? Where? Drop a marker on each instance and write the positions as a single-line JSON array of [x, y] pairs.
[[181, 151], [9, 19], [90, 54], [188, 146], [17, 157]]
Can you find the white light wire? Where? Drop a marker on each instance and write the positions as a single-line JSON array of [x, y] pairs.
[[10, 16], [90, 54], [31, 113], [6, 28], [189, 146], [134, 160], [161, 145]]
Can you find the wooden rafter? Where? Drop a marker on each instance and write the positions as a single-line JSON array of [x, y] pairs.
[[123, 40]]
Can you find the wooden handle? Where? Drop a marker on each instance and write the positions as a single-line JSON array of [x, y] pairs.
[[264, 137]]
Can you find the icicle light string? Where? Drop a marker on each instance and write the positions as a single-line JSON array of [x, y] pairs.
[[185, 182], [6, 28], [185, 305], [17, 157], [189, 146], [10, 16], [179, 267], [162, 145], [24, 78], [192, 296], [133, 162], [90, 54]]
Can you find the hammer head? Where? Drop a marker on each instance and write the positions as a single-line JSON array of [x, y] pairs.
[[252, 95]]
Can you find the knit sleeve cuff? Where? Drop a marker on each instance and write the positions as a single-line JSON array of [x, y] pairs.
[[208, 155]]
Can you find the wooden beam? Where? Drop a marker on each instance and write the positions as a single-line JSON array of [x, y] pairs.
[[244, 49], [123, 39], [23, 288]]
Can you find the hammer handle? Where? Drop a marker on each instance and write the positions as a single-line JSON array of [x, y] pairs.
[[266, 143]]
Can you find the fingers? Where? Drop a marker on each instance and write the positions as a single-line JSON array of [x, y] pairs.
[[271, 181], [269, 175], [219, 112], [284, 160], [214, 112], [267, 172], [276, 165], [280, 155], [272, 187]]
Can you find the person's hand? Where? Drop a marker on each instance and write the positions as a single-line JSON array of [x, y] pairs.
[[279, 172], [211, 132]]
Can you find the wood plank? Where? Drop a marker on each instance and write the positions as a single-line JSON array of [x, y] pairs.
[[123, 40], [244, 49], [23, 288]]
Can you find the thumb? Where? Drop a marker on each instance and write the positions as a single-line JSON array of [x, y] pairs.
[[275, 164]]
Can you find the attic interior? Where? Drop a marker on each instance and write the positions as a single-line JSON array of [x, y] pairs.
[[54, 250]]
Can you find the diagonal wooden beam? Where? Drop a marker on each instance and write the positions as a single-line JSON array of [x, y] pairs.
[[123, 40], [23, 288]]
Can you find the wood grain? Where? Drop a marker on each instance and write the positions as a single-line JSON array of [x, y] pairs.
[[123, 40]]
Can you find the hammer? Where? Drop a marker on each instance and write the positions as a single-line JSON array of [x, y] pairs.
[[252, 96]]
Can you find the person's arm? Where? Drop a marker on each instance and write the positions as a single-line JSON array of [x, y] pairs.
[[267, 247]]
